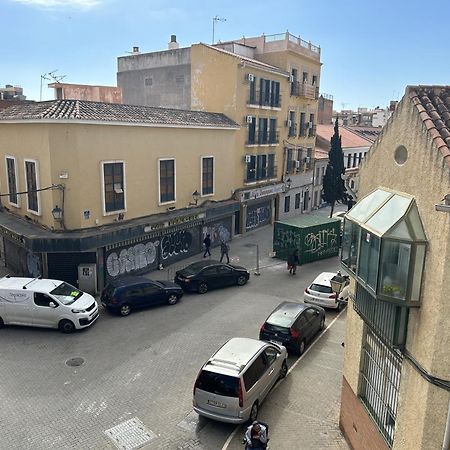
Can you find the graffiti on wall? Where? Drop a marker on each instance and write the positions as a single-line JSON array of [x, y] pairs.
[[322, 243], [219, 231], [258, 215], [34, 265], [132, 258], [176, 243], [287, 238]]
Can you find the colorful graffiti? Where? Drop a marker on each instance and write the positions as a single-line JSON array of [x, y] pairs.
[[133, 258]]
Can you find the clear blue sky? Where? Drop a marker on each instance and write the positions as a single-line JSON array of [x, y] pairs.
[[370, 50]]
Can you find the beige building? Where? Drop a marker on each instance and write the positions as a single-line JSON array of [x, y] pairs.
[[396, 247], [269, 85], [125, 188]]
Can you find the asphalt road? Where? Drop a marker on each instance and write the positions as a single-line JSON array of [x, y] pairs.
[[141, 367]]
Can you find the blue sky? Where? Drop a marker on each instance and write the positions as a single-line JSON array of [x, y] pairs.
[[370, 50]]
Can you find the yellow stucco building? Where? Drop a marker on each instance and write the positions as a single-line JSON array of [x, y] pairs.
[[396, 247]]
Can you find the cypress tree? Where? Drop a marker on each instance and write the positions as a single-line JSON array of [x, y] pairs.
[[333, 184]]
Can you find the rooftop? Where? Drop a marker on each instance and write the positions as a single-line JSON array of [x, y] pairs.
[[349, 139], [86, 111]]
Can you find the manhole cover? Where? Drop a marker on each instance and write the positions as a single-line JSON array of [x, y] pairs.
[[130, 435], [75, 362]]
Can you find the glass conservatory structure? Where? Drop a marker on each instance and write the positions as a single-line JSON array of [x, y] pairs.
[[383, 247]]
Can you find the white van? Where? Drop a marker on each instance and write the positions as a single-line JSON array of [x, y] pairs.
[[45, 303], [233, 383]]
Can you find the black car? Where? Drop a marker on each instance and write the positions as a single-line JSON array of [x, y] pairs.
[[126, 294], [204, 275], [293, 325]]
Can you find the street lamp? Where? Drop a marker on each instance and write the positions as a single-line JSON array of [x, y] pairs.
[[288, 184], [196, 196], [57, 213], [217, 19]]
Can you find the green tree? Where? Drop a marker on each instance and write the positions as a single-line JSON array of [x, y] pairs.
[[333, 184]]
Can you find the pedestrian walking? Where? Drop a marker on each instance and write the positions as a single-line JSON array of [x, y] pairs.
[[224, 249], [293, 262], [207, 244]]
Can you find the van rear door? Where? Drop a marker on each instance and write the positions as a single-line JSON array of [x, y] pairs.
[[218, 393], [18, 306]]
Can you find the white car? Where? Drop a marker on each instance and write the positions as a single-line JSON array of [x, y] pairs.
[[319, 292]]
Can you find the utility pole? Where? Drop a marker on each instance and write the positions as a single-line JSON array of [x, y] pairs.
[[217, 19]]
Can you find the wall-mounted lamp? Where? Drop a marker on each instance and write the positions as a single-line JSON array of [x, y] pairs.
[[287, 184], [445, 206], [196, 196], [57, 213]]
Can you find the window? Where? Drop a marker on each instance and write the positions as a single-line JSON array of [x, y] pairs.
[[271, 355], [302, 124], [316, 198], [379, 383], [264, 92], [289, 161], [349, 161], [369, 258], [12, 180], [291, 124], [273, 131], [150, 289], [287, 203], [271, 169], [262, 130], [166, 180], [252, 131], [359, 158], [275, 94], [297, 200], [354, 159], [224, 270], [218, 383], [43, 300], [148, 81], [294, 75], [314, 80], [305, 77], [207, 175], [251, 169], [317, 180], [312, 128], [32, 185], [113, 179], [310, 314], [252, 91], [254, 372], [261, 167]]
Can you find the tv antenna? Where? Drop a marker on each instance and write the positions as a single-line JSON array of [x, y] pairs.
[[217, 19], [49, 76]]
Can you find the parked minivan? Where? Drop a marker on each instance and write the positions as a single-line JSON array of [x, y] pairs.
[[45, 303], [233, 383]]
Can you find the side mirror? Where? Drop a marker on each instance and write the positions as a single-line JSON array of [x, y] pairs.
[[52, 305]]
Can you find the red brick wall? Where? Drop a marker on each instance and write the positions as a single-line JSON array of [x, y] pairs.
[[356, 425]]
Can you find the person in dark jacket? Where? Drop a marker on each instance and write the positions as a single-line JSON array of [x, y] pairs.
[[207, 243], [293, 262], [224, 251]]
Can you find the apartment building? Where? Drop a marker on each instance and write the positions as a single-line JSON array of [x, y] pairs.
[[269, 85], [396, 247]]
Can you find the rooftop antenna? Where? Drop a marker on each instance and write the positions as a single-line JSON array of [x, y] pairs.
[[49, 76], [217, 19]]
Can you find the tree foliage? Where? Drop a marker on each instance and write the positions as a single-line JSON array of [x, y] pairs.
[[333, 185]]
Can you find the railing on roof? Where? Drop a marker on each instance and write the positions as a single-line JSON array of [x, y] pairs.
[[295, 39], [327, 96]]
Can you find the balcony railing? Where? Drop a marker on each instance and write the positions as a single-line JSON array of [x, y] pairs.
[[292, 131], [304, 90], [268, 173], [256, 100]]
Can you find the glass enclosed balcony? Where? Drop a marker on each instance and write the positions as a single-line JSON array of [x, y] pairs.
[[384, 246]]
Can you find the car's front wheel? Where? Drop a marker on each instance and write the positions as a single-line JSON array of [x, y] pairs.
[[173, 298], [241, 280], [125, 310], [202, 288], [66, 326]]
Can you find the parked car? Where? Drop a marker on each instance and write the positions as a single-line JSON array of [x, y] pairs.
[[293, 325], [233, 383], [204, 275], [41, 302], [319, 292], [129, 293]]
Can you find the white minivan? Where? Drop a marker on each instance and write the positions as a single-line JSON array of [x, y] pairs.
[[45, 303]]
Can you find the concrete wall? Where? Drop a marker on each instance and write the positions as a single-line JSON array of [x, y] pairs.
[[161, 79], [107, 94], [79, 150], [422, 409]]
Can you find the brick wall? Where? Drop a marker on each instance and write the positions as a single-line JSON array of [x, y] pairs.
[[356, 425]]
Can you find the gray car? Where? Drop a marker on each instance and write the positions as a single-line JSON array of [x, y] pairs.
[[233, 383]]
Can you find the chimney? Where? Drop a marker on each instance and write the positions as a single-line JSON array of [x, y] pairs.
[[136, 51], [173, 44]]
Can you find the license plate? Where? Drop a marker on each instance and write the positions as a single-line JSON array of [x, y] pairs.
[[217, 404]]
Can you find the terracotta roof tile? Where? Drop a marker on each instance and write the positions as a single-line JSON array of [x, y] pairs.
[[114, 113], [433, 105], [348, 137]]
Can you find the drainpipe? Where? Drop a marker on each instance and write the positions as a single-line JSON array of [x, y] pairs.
[[446, 443]]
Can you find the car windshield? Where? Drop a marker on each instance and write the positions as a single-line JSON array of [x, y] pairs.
[[321, 288], [217, 383], [66, 293]]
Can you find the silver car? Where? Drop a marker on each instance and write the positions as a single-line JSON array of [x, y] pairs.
[[233, 383]]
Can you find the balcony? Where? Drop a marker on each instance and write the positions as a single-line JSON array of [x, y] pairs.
[[304, 90], [255, 100], [292, 131]]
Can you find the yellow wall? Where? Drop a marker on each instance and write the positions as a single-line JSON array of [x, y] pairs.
[[422, 407], [79, 149]]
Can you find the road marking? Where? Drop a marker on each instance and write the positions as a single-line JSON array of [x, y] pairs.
[[233, 433]]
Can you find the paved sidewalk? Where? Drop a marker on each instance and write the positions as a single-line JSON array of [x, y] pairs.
[[302, 411]]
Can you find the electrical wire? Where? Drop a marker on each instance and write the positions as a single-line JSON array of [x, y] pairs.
[[53, 186]]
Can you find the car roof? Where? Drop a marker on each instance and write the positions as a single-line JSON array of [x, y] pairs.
[[324, 278], [129, 281], [201, 264], [236, 353], [39, 284], [289, 309]]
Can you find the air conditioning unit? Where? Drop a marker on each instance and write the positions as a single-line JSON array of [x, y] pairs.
[[250, 77], [249, 119], [248, 158]]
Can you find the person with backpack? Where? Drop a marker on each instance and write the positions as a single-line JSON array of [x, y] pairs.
[[224, 249]]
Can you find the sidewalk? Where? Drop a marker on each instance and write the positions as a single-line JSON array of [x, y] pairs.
[[302, 411]]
